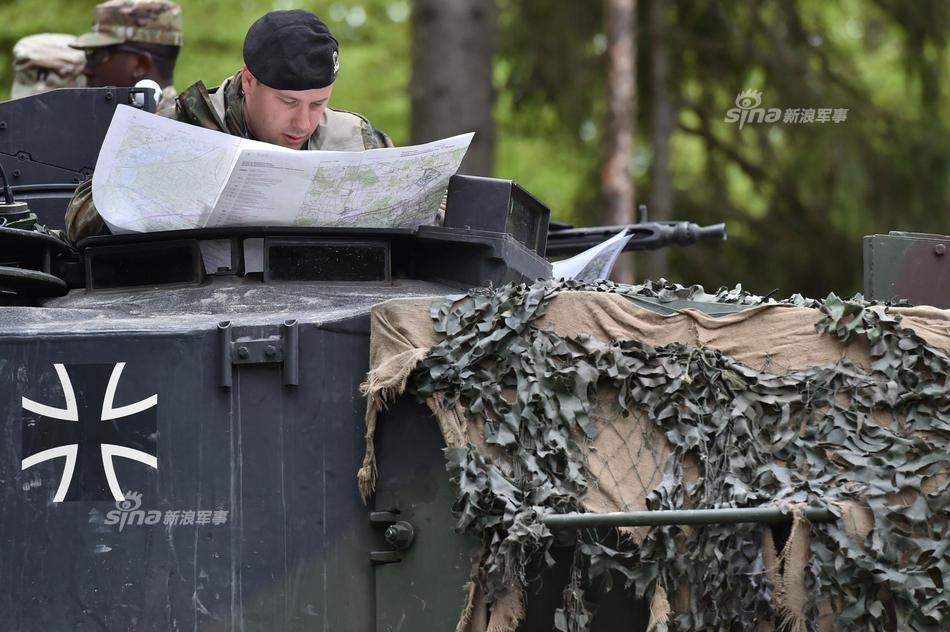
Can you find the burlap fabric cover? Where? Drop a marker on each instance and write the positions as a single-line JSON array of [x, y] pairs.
[[627, 456]]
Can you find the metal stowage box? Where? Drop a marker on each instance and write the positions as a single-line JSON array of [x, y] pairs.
[[912, 266]]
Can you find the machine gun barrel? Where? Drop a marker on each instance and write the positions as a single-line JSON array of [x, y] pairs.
[[646, 236]]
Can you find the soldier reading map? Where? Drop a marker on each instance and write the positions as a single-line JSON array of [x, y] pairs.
[[158, 174]]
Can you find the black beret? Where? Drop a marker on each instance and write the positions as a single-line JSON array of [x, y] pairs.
[[291, 50]]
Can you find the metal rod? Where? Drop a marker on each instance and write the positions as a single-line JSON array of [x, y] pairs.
[[224, 349], [291, 353], [683, 516]]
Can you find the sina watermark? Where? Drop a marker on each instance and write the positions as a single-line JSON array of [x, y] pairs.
[[127, 514], [748, 112]]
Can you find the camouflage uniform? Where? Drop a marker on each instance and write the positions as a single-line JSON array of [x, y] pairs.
[[221, 109], [46, 61], [169, 94], [130, 21]]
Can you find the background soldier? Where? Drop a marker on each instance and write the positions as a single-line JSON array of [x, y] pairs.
[[45, 62], [280, 97], [133, 40]]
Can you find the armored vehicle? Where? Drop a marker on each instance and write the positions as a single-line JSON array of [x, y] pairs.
[[181, 440]]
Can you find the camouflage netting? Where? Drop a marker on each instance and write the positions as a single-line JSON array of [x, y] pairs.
[[560, 397]]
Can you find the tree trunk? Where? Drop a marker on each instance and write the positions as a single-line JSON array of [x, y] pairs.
[[655, 263], [616, 177], [453, 42]]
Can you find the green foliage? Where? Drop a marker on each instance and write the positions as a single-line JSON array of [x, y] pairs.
[[811, 436], [797, 198], [374, 40]]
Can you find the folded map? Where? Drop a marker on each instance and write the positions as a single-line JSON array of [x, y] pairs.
[[156, 174]]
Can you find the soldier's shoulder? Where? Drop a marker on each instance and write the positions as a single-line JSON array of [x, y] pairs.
[[373, 138], [196, 105], [346, 115]]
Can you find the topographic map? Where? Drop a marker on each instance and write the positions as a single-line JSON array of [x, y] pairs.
[[158, 174], [374, 195], [151, 177]]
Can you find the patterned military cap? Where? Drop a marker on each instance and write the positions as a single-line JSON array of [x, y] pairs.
[[44, 62], [145, 21]]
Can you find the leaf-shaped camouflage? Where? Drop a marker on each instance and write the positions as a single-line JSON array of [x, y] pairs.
[[805, 436]]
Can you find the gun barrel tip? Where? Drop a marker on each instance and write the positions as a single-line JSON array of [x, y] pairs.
[[715, 231]]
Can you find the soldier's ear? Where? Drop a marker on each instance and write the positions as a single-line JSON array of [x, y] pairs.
[[246, 79], [142, 66]]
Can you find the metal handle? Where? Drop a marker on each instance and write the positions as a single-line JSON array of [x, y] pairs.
[[684, 516]]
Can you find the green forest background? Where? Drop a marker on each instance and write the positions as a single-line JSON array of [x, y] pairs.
[[796, 198]]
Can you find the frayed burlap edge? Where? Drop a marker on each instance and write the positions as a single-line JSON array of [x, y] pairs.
[[474, 617], [659, 608], [791, 595], [503, 615], [507, 612], [472, 598], [383, 385]]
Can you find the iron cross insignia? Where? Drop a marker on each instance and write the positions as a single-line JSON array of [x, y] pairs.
[[89, 432]]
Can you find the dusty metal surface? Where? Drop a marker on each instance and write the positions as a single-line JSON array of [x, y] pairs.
[[244, 301]]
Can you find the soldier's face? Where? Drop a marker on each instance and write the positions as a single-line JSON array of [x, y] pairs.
[[282, 117], [111, 66]]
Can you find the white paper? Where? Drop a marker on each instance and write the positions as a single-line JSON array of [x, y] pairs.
[[156, 174], [216, 254], [593, 263]]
